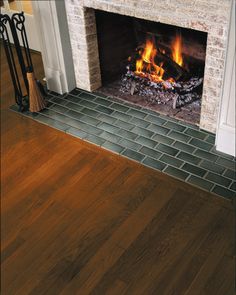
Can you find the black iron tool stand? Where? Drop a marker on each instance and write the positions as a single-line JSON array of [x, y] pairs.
[[15, 25]]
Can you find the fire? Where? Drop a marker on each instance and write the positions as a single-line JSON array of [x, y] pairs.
[[177, 50], [146, 66]]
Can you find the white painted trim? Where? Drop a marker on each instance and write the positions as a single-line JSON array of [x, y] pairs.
[[225, 136], [50, 17], [30, 27], [226, 144]]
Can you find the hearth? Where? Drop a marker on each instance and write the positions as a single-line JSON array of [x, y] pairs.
[[153, 65], [209, 17]]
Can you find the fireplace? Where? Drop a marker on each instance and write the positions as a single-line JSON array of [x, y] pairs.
[[208, 19], [153, 65]]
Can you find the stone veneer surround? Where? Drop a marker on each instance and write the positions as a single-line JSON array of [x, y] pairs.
[[211, 16]]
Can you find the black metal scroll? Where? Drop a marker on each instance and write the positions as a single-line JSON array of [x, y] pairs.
[[17, 24]]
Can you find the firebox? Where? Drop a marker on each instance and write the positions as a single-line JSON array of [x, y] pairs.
[[153, 65]]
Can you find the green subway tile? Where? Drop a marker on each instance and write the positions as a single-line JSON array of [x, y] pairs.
[[88, 104], [196, 133], [113, 147], [176, 172], [139, 122], [59, 101], [179, 136], [198, 181], [137, 114], [133, 155], [150, 152], [167, 149], [89, 112], [50, 104], [205, 155], [103, 102], [90, 120], [74, 106], [143, 132], [89, 129], [183, 147], [52, 122], [158, 129], [104, 110], [130, 144], [121, 116], [106, 118], [172, 161], [230, 174], [211, 139], [218, 179], [87, 96], [189, 158], [70, 98], [233, 186], [75, 91], [27, 113], [146, 142], [76, 132], [212, 167], [119, 107], [226, 163], [150, 162], [124, 125], [110, 137], [127, 134], [194, 169], [175, 126], [200, 144], [219, 190], [94, 139], [155, 119], [108, 127], [162, 139], [74, 114]]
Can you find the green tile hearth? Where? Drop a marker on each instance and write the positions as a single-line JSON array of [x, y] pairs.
[[162, 143]]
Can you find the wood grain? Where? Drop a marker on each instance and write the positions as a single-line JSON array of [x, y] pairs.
[[77, 219]]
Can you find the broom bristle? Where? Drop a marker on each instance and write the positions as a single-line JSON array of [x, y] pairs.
[[36, 100]]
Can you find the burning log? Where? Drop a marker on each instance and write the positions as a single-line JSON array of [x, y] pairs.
[[181, 93], [172, 69]]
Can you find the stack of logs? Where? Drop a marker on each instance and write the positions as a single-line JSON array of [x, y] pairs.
[[184, 90]]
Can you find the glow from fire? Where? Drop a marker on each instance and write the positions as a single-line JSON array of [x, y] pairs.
[[146, 66], [177, 50]]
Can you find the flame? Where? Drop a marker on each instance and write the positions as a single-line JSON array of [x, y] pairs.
[[139, 65], [177, 50], [146, 66]]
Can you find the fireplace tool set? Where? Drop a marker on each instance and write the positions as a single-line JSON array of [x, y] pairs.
[[33, 100]]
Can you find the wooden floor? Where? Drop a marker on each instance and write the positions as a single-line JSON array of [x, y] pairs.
[[79, 220]]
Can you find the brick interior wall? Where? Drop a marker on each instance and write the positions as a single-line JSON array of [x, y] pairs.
[[211, 16]]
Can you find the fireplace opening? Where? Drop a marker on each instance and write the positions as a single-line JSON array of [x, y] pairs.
[[153, 65]]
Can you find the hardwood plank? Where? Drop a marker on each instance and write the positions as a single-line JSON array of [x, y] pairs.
[[110, 252]]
